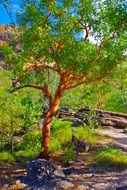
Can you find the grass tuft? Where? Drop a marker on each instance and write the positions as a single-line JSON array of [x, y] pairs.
[[6, 157], [84, 133], [111, 157]]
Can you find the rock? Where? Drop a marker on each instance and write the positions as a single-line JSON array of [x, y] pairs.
[[43, 170], [6, 186], [76, 122], [66, 185], [18, 185], [76, 163], [106, 118], [44, 175], [80, 146]]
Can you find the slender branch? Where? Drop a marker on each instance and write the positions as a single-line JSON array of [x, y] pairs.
[[11, 18], [39, 87], [87, 29], [38, 64], [9, 14], [88, 80], [44, 88]]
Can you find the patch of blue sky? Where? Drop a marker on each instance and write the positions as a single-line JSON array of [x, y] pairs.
[[13, 8], [60, 3], [78, 35], [53, 20]]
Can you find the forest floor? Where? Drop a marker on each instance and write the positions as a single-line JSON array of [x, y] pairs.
[[82, 175]]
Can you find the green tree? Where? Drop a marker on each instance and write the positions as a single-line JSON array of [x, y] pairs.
[[66, 44]]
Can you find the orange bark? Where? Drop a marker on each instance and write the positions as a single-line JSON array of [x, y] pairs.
[[46, 128], [48, 120]]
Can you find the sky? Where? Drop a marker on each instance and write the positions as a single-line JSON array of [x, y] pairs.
[[4, 18]]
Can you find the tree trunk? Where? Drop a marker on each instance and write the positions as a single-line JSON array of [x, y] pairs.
[[47, 124]]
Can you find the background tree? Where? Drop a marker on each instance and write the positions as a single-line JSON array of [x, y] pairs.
[[75, 42]]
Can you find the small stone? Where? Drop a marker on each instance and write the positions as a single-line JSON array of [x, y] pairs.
[[18, 185], [17, 182], [66, 185], [6, 185], [81, 187]]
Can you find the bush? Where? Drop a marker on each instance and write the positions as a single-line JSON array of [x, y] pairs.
[[69, 153], [31, 141], [112, 158], [7, 157]]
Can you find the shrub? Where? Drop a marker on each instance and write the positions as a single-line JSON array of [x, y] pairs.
[[31, 141], [69, 153]]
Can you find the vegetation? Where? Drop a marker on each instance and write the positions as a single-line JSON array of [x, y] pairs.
[[112, 158], [64, 53], [7, 157], [54, 55]]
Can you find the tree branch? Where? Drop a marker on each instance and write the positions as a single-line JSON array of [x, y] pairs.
[[39, 87], [44, 88], [87, 29], [38, 64]]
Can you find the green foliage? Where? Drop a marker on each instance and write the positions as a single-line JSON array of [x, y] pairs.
[[62, 131], [115, 102], [31, 141], [69, 153], [26, 155], [6, 157], [112, 158], [84, 133], [59, 39], [55, 146]]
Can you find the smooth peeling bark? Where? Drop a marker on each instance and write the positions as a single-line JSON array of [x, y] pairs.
[[47, 123]]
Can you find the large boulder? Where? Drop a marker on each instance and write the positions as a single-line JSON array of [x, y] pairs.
[[45, 175], [41, 169]]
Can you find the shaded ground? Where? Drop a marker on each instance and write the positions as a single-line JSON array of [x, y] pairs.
[[95, 178], [82, 176], [9, 173]]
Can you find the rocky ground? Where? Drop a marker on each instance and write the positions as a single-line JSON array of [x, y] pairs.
[[80, 176], [118, 136]]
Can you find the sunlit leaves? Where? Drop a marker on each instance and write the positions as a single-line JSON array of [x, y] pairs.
[[49, 34]]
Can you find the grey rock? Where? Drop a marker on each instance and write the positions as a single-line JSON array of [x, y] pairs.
[[80, 146], [76, 122], [44, 175], [43, 169]]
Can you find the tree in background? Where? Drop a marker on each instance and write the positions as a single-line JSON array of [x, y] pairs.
[[65, 44]]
